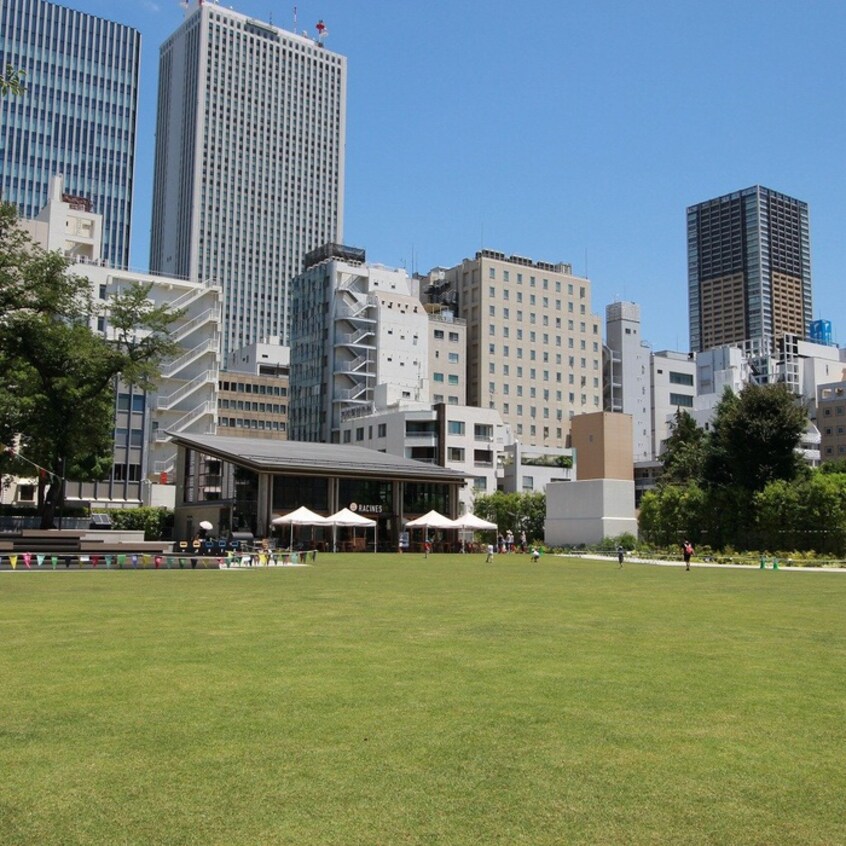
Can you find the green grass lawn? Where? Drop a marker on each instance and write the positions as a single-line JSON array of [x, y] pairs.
[[395, 700]]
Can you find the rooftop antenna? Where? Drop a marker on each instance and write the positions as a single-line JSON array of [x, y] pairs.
[[295, 18]]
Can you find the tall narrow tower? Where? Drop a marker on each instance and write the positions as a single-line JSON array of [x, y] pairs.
[[749, 269], [249, 162], [77, 117]]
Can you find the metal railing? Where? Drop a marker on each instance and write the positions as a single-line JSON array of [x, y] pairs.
[[209, 345], [164, 403]]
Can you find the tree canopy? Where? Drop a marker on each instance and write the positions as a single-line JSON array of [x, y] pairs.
[[57, 397], [515, 511], [710, 480], [684, 451]]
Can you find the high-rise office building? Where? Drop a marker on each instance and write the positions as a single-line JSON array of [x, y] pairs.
[[749, 269], [77, 116], [249, 162]]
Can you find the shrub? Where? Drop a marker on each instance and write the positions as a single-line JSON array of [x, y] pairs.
[[154, 522]]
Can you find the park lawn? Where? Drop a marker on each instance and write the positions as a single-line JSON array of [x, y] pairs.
[[386, 699]]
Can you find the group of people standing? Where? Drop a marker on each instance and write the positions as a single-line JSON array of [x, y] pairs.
[[505, 542]]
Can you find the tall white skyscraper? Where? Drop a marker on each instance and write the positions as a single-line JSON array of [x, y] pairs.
[[249, 162]]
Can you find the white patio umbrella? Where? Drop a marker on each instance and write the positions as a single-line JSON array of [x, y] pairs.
[[301, 517], [345, 517]]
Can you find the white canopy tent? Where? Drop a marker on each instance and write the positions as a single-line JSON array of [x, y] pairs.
[[431, 520], [469, 523], [301, 517], [345, 517]]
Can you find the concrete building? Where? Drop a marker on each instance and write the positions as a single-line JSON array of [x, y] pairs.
[[626, 374], [447, 373], [185, 396], [357, 328], [472, 441], [249, 156], [78, 115], [534, 348], [749, 269], [673, 377], [252, 396], [831, 418]]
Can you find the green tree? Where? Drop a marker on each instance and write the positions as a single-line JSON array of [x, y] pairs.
[[803, 515], [754, 438], [779, 516], [684, 451], [56, 399], [11, 82], [671, 513], [823, 497], [515, 511], [836, 465]]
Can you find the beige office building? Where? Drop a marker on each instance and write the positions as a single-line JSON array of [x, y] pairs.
[[534, 346]]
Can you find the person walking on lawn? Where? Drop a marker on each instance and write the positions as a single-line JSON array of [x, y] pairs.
[[687, 552]]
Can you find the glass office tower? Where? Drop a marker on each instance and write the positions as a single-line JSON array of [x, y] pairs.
[[749, 269], [77, 117]]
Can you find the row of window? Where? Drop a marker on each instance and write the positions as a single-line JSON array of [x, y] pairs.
[[496, 328], [249, 388], [246, 405], [239, 423], [506, 277]]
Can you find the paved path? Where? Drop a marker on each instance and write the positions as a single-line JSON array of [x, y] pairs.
[[696, 565]]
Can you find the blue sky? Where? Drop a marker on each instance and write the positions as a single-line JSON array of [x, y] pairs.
[[567, 131]]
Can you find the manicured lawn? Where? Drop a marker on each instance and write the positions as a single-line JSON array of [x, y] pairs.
[[391, 700]]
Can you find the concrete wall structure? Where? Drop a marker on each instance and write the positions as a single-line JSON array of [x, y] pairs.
[[585, 512]]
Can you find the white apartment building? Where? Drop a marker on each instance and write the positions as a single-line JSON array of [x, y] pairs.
[[626, 374], [673, 377], [534, 347], [355, 327], [470, 440], [185, 396], [249, 157]]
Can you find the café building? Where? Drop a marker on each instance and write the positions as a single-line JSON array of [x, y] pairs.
[[240, 485]]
